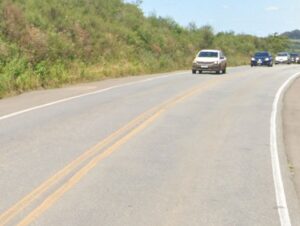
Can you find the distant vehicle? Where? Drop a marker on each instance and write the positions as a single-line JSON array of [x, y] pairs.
[[283, 58], [295, 58], [210, 60], [262, 59]]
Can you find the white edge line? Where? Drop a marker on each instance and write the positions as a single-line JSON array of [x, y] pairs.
[[282, 207], [83, 95]]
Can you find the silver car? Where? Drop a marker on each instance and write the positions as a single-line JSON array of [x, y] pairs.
[[210, 60], [283, 58]]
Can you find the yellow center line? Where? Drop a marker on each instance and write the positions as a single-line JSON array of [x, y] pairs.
[[19, 206], [132, 128], [52, 198]]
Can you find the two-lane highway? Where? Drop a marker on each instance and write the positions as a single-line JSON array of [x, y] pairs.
[[177, 149]]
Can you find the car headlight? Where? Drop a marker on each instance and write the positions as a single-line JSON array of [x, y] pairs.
[[267, 59], [253, 59], [216, 62]]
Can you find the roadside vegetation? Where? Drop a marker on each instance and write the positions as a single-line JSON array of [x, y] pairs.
[[50, 43]]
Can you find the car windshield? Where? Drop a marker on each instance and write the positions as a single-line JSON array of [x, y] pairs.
[[208, 54], [282, 54], [261, 54], [294, 54]]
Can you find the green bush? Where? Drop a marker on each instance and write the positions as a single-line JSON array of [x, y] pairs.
[[50, 43]]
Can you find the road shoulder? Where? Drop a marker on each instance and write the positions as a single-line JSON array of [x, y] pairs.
[[291, 131], [35, 98]]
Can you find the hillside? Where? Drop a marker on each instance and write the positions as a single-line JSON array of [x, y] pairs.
[[292, 34], [294, 37], [51, 43], [295, 46]]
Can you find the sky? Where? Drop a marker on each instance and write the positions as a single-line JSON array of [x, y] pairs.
[[257, 17]]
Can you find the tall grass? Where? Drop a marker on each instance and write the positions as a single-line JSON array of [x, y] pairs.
[[49, 43]]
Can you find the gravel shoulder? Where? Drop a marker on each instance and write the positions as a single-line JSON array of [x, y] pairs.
[[291, 131]]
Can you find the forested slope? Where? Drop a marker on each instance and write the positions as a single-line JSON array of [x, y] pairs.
[[50, 43], [295, 34]]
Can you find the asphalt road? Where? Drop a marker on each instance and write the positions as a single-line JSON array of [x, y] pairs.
[[172, 149]]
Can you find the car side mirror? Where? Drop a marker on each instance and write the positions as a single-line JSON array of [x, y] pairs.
[[222, 57]]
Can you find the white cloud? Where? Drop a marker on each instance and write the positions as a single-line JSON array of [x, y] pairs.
[[272, 8]]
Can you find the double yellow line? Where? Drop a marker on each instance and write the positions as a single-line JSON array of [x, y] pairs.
[[92, 156]]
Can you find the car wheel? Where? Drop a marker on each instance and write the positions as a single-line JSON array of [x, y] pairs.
[[194, 71], [224, 71], [200, 72]]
